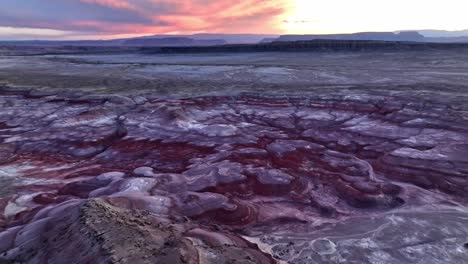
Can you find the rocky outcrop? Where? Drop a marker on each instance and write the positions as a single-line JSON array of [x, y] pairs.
[[96, 231]]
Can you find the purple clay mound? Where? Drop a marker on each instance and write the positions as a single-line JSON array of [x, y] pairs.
[[368, 178]]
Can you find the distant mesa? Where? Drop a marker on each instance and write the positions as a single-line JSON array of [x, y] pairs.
[[431, 33], [173, 42], [229, 38], [406, 36], [462, 39], [153, 41], [383, 36], [208, 40], [267, 40]]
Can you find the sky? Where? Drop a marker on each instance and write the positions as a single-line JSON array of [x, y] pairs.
[[106, 19]]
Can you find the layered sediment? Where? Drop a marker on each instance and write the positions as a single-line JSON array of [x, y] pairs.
[[333, 177]]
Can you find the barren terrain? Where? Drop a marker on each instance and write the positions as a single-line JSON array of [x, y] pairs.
[[311, 157]]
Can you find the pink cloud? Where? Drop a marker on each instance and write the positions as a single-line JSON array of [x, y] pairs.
[[121, 4], [155, 16], [251, 16]]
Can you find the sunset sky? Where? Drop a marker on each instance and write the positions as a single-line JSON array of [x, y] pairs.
[[104, 19]]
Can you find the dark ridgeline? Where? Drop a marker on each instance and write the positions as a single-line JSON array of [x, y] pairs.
[[319, 45], [173, 41], [312, 45], [132, 42], [197, 40]]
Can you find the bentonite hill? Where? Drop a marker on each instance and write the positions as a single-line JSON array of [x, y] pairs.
[[355, 153]]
